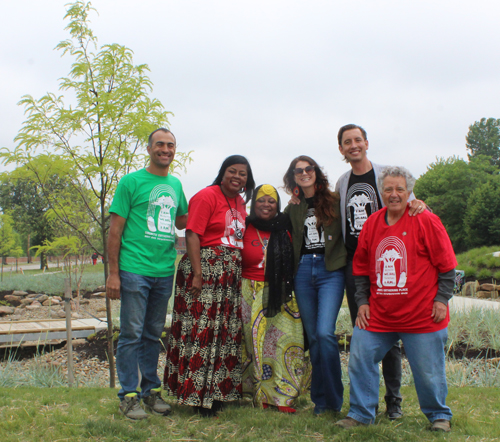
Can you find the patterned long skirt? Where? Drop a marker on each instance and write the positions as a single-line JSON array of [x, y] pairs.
[[204, 347], [275, 369]]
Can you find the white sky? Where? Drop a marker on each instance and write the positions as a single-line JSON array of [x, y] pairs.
[[275, 79]]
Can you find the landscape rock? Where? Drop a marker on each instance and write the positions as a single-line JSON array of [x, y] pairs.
[[19, 311], [488, 287], [75, 315], [483, 294], [19, 293], [101, 309], [34, 306], [61, 314], [6, 310], [470, 288], [494, 294], [16, 318], [57, 298], [27, 301], [84, 301], [98, 295], [101, 288], [41, 298], [52, 302], [32, 296], [13, 300]]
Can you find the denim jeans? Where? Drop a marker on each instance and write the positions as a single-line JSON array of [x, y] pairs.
[[319, 295], [143, 312], [391, 364], [425, 352]]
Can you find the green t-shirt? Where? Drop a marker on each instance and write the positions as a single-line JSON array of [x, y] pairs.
[[150, 204]]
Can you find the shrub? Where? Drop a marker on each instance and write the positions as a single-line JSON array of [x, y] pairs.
[[496, 275], [470, 272], [493, 262], [483, 274]]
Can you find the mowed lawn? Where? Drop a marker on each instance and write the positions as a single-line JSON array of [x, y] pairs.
[[65, 414]]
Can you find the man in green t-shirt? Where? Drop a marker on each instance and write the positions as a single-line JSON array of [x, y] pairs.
[[147, 206]]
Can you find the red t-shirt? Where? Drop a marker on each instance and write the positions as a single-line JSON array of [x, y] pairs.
[[214, 218], [252, 254], [403, 262]]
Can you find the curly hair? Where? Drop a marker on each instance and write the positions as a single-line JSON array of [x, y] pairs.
[[325, 200], [230, 161]]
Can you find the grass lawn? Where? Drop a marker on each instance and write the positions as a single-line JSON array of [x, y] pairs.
[[57, 414]]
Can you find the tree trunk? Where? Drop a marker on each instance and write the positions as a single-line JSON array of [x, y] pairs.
[[109, 333]]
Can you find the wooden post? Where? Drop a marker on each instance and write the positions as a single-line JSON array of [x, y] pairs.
[[69, 345]]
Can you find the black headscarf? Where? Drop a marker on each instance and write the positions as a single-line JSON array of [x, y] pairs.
[[279, 261]]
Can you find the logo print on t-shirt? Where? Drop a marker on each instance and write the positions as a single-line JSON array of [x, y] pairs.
[[234, 222], [312, 237], [391, 266], [162, 197], [360, 196]]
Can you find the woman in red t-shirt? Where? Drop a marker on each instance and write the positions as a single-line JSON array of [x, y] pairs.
[[204, 350], [274, 371]]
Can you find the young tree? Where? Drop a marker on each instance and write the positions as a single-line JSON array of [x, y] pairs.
[[103, 136], [483, 138]]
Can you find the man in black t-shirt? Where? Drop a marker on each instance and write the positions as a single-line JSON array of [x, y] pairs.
[[359, 198]]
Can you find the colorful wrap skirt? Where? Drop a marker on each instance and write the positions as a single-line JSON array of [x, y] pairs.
[[275, 368], [204, 348]]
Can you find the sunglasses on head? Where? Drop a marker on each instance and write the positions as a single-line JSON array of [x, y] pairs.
[[300, 171]]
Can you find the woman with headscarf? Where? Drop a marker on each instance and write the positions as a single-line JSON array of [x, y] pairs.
[[319, 258], [274, 371], [204, 349]]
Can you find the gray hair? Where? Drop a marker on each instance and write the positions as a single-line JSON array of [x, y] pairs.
[[396, 171]]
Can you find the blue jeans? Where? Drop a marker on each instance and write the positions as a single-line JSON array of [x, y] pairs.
[[319, 295], [425, 352], [143, 312]]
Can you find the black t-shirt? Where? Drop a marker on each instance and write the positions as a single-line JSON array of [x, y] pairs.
[[361, 201], [314, 238]]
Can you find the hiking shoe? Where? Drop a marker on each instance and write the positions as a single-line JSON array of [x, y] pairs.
[[441, 425], [131, 408], [155, 404], [349, 422], [393, 409]]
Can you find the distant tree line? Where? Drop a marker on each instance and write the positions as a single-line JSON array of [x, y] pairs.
[[466, 194]]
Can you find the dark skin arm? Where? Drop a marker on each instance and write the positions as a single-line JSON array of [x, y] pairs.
[[114, 243], [181, 221], [193, 251]]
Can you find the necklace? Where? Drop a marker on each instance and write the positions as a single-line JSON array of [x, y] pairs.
[[238, 234]]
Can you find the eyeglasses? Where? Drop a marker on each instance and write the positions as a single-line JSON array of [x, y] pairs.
[[300, 171]]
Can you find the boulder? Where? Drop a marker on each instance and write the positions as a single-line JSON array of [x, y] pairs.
[[470, 288], [50, 301], [487, 287], [41, 298], [19, 293], [6, 310], [13, 300], [34, 306], [98, 295]]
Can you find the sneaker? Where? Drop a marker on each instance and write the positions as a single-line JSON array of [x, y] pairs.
[[131, 408], [393, 409], [155, 404], [441, 425], [349, 422]]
